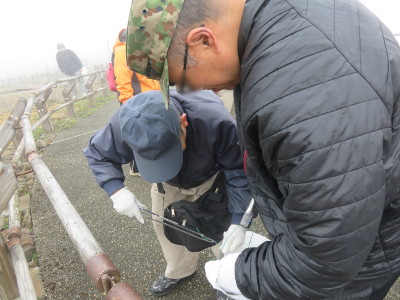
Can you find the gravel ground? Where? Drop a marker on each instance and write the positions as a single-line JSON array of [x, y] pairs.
[[133, 248]]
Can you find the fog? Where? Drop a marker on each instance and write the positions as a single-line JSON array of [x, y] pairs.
[[388, 11], [30, 30]]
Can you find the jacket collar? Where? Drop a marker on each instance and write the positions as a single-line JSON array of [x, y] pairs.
[[250, 13]]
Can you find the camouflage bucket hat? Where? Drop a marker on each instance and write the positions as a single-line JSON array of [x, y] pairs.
[[151, 26]]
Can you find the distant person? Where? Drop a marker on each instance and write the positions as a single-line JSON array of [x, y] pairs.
[[128, 83], [70, 64]]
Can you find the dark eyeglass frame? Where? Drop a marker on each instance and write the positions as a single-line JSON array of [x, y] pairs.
[[182, 88]]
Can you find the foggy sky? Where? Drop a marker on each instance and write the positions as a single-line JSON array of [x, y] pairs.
[[30, 30]]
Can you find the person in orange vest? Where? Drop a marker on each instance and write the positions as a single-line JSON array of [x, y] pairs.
[[129, 83]]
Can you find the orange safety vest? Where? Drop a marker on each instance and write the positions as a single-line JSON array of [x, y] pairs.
[[129, 83]]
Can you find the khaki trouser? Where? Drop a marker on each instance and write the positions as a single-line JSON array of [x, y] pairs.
[[180, 261]]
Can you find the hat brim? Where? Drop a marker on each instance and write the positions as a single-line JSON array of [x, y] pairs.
[[164, 83], [162, 169]]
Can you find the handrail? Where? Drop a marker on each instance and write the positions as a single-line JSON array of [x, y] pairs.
[[100, 268], [25, 285], [48, 114], [62, 80]]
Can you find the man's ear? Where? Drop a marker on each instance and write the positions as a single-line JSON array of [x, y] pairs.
[[202, 37], [183, 120]]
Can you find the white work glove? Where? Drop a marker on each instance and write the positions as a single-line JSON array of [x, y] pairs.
[[221, 275], [233, 239], [126, 204]]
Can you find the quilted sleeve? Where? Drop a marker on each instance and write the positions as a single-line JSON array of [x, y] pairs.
[[329, 169]]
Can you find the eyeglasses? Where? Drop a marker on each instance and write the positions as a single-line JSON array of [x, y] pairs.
[[182, 88]]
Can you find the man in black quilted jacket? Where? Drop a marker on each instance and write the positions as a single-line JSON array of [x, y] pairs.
[[317, 85]]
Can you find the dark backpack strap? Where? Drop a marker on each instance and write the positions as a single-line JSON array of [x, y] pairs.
[[219, 182], [137, 88], [160, 188], [178, 108], [112, 58]]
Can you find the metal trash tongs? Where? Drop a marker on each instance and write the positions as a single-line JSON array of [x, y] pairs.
[[245, 222], [177, 226]]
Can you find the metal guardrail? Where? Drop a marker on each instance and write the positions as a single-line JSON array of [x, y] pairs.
[[100, 268]]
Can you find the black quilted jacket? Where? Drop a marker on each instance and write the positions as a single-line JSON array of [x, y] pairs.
[[319, 116]]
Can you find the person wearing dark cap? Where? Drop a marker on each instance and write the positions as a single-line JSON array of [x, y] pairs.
[[184, 147]]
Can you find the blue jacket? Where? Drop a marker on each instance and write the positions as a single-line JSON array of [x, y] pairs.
[[212, 145]]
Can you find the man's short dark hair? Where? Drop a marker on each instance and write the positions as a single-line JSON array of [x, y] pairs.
[[193, 14]]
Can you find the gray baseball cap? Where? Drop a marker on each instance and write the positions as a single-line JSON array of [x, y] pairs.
[[153, 134]]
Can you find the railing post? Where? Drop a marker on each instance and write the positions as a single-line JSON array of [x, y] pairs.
[[8, 184], [7, 131], [8, 282], [67, 96], [104, 83], [18, 137], [42, 110], [89, 88]]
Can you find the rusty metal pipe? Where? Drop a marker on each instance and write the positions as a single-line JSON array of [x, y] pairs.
[[99, 265], [25, 285], [122, 291]]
